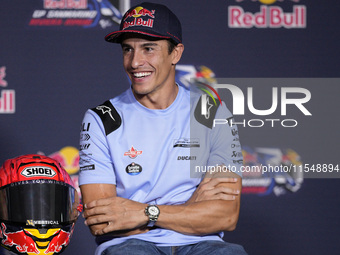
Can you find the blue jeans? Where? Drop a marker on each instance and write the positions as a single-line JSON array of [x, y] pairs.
[[139, 247]]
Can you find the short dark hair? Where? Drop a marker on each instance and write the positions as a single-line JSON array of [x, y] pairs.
[[171, 46]]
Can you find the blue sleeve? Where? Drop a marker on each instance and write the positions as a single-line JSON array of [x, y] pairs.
[[95, 163], [225, 144]]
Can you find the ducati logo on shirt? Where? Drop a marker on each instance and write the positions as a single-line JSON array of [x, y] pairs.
[[133, 153]]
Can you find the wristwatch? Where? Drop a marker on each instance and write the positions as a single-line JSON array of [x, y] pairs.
[[152, 211]]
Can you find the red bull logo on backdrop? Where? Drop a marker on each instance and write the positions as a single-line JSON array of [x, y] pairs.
[[7, 96], [68, 157], [268, 16]]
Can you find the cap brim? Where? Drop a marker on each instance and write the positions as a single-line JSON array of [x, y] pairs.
[[116, 36]]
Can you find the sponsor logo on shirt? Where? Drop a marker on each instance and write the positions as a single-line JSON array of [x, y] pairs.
[[133, 169], [85, 168], [186, 158], [133, 153], [186, 142]]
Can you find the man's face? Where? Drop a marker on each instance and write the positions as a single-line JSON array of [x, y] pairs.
[[148, 64]]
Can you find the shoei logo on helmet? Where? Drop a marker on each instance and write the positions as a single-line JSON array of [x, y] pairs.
[[38, 171]]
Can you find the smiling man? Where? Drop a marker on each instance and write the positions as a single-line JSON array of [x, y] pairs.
[[140, 194], [151, 68]]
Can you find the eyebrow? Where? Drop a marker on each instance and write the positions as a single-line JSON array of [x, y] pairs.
[[148, 44]]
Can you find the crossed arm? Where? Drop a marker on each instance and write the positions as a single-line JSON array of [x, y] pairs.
[[213, 207]]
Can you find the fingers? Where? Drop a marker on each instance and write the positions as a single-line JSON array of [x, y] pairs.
[[219, 180], [99, 210], [121, 213], [225, 190], [210, 189], [99, 202], [223, 193], [93, 221], [210, 183], [109, 228]]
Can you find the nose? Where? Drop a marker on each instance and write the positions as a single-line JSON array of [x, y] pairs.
[[137, 59]]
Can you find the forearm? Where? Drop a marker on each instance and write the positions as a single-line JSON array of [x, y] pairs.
[[104, 219], [214, 207], [200, 218], [92, 192]]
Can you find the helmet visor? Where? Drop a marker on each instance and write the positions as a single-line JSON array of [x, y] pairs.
[[38, 203]]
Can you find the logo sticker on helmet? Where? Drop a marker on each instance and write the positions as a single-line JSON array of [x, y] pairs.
[[35, 171]]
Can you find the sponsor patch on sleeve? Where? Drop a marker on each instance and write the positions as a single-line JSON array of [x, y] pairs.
[[109, 116]]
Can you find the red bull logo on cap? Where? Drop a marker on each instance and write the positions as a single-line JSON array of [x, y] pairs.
[[138, 13]]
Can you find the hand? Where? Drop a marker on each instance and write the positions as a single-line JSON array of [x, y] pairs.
[[118, 214], [215, 189]]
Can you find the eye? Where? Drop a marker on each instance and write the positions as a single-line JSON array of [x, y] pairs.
[[127, 49], [148, 49]]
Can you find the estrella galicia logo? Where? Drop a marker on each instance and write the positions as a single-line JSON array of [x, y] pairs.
[[38, 171], [133, 169]]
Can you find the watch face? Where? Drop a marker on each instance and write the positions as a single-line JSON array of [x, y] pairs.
[[153, 210]]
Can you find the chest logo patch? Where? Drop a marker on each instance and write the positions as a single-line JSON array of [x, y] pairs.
[[133, 153], [133, 169], [186, 143]]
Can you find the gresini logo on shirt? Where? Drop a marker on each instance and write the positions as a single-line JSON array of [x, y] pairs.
[[187, 142]]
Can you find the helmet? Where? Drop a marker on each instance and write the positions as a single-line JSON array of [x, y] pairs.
[[38, 205]]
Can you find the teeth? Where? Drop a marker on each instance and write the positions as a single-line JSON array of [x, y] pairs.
[[143, 74]]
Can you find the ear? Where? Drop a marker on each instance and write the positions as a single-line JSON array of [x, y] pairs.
[[177, 53]]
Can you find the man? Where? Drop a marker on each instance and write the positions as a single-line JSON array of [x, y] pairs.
[[138, 150]]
